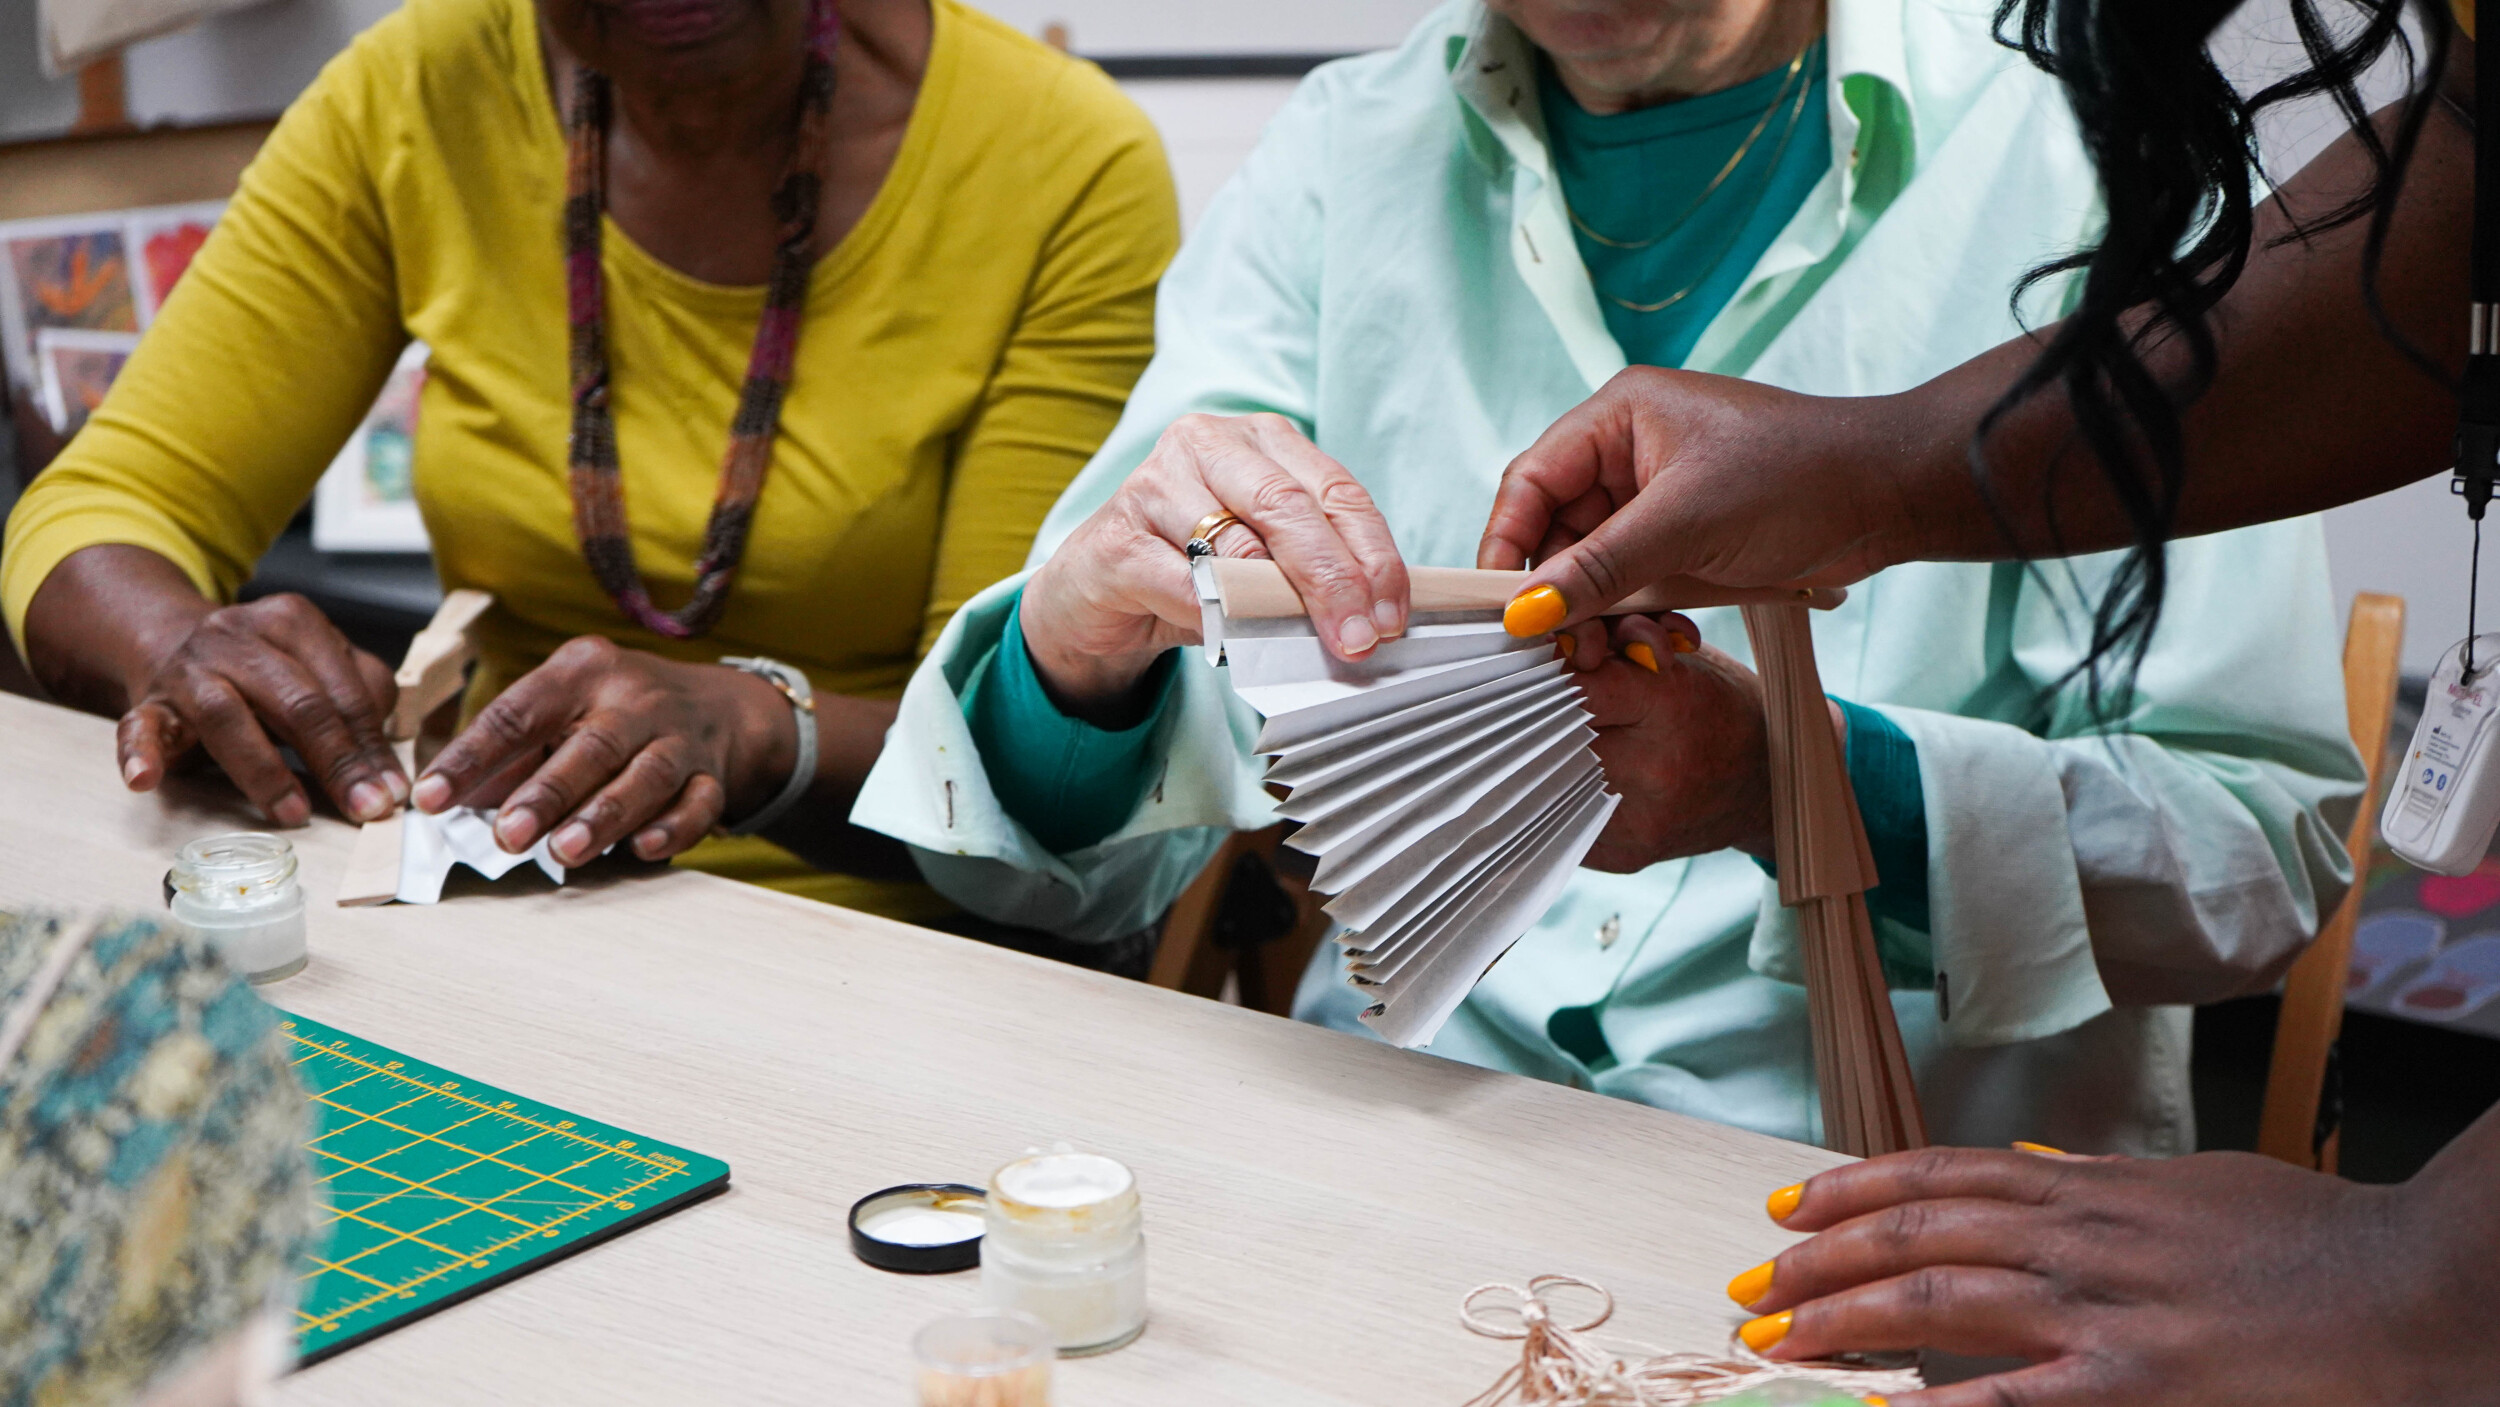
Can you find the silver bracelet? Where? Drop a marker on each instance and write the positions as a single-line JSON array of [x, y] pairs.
[[802, 696]]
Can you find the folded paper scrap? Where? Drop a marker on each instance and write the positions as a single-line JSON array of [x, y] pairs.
[[1559, 1367], [1445, 782], [408, 856], [430, 845]]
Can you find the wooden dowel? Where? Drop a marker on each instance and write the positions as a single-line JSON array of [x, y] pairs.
[[1255, 588]]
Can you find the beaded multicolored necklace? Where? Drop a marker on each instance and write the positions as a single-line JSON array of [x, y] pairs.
[[598, 491]]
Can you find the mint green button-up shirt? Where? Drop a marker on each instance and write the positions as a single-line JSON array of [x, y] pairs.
[[1394, 271]]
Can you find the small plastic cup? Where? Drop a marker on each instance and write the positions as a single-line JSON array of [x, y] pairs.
[[985, 1358]]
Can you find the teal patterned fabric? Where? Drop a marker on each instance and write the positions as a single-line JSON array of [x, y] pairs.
[[154, 1189]]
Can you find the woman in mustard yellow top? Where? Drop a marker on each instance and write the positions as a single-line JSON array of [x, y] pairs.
[[960, 228]]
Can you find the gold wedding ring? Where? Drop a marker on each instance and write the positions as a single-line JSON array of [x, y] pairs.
[[1202, 537]]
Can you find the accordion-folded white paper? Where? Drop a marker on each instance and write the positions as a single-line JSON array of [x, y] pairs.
[[1445, 784], [430, 845]]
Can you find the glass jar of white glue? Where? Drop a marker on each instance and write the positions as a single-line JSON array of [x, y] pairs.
[[240, 893], [1063, 1240]]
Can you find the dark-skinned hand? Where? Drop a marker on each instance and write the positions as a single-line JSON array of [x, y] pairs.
[[2219, 1280], [250, 678], [1681, 731], [603, 743]]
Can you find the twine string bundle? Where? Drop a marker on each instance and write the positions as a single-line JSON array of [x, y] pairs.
[[1558, 1367]]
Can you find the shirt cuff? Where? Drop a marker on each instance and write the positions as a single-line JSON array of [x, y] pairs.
[[1068, 782], [1892, 804], [1883, 770]]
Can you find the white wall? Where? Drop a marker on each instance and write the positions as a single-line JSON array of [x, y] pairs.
[[2415, 543], [1218, 26], [250, 63], [1208, 126]]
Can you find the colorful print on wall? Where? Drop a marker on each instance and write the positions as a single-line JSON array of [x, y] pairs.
[[76, 367], [76, 293]]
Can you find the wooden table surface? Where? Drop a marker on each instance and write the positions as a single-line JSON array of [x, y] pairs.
[[1316, 1204]]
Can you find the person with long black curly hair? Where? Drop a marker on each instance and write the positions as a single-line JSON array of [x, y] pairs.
[[2231, 361]]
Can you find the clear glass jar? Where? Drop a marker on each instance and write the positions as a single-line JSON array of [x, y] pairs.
[[984, 1358], [239, 892], [1064, 1240]]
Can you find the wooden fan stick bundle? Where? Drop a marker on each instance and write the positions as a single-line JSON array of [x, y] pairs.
[[1870, 1105]]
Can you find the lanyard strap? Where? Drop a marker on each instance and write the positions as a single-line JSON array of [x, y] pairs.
[[2478, 420]]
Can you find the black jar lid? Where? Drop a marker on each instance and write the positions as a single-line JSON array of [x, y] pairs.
[[904, 1228]]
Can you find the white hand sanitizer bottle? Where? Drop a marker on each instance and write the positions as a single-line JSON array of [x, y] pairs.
[[2445, 805]]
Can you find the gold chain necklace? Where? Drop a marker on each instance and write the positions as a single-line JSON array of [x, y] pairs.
[[1743, 148], [1736, 229]]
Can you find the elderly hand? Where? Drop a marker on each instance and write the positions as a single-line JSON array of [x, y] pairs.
[[248, 678], [602, 742], [1117, 593], [1678, 474], [1681, 730], [2220, 1280]]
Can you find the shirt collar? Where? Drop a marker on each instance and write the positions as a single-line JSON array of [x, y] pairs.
[[1492, 69]]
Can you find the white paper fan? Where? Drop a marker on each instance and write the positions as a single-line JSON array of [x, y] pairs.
[[1447, 788]]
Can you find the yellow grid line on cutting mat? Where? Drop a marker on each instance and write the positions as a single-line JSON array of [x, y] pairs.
[[409, 1268]]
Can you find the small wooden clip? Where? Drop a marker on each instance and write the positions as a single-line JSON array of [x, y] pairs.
[[438, 662], [430, 680]]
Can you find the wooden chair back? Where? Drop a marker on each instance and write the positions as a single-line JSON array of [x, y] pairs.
[[1189, 958], [2313, 994]]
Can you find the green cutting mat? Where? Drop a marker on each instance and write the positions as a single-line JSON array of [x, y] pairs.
[[441, 1187]]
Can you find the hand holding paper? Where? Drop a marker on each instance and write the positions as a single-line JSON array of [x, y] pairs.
[[603, 745], [1117, 593], [1448, 784]]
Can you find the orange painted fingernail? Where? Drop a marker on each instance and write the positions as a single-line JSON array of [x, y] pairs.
[[1763, 1334], [1534, 612], [1681, 643], [1783, 1203], [1751, 1286], [2022, 1147], [1639, 653], [1876, 1401]]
